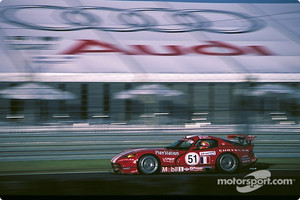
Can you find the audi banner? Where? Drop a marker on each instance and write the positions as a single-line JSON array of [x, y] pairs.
[[158, 41]]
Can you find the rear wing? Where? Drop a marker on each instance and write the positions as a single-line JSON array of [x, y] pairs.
[[243, 139]]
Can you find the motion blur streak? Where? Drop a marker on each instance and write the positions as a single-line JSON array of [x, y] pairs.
[[99, 142]]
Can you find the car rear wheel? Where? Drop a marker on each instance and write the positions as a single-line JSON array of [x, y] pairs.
[[227, 163], [148, 164]]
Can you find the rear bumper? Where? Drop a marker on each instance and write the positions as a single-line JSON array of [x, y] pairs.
[[251, 164]]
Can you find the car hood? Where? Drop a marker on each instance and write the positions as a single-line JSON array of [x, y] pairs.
[[142, 150]]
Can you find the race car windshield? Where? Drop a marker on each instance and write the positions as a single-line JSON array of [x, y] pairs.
[[180, 145]]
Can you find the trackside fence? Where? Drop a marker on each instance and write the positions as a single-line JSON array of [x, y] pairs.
[[84, 141]]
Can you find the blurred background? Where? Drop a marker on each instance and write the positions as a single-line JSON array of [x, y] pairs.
[[149, 103], [111, 63]]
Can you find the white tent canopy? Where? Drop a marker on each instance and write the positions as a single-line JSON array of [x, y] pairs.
[[35, 91], [151, 90]]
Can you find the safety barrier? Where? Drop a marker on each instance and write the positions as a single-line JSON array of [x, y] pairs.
[[27, 143]]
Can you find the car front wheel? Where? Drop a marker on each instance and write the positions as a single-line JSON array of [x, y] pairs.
[[148, 164]]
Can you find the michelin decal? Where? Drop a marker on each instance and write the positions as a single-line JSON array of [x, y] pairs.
[[208, 153]]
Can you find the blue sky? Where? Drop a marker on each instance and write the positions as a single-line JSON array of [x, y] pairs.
[[230, 1]]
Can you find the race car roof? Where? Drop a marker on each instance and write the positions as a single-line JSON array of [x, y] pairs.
[[196, 137], [149, 41]]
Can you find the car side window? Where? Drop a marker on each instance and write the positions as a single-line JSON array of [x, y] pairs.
[[185, 145], [206, 144]]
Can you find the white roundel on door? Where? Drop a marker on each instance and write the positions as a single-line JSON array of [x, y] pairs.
[[192, 158]]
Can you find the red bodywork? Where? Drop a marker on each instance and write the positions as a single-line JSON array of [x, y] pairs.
[[192, 159]]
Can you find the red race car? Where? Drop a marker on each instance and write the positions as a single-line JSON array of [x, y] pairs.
[[189, 154]]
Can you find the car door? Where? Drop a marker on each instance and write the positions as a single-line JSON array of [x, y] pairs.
[[198, 155]]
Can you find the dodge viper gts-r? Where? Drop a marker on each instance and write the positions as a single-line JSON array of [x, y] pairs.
[[189, 154]]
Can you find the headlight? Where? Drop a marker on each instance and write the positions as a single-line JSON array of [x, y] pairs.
[[129, 156]]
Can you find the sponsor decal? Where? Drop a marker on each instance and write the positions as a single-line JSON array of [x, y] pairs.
[[205, 160], [181, 169], [233, 150], [114, 19], [196, 169], [213, 48], [254, 181], [169, 160], [167, 153], [192, 158], [208, 153], [172, 169]]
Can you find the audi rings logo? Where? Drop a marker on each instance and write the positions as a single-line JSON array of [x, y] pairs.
[[59, 18]]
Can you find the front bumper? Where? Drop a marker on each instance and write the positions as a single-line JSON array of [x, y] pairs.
[[116, 167], [119, 169]]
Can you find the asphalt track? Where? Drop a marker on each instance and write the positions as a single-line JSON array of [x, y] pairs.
[[104, 183]]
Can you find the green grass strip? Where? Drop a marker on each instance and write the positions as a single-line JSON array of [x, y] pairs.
[[286, 161], [54, 166], [15, 167]]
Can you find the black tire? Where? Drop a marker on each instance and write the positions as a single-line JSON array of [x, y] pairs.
[[227, 163], [148, 164]]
